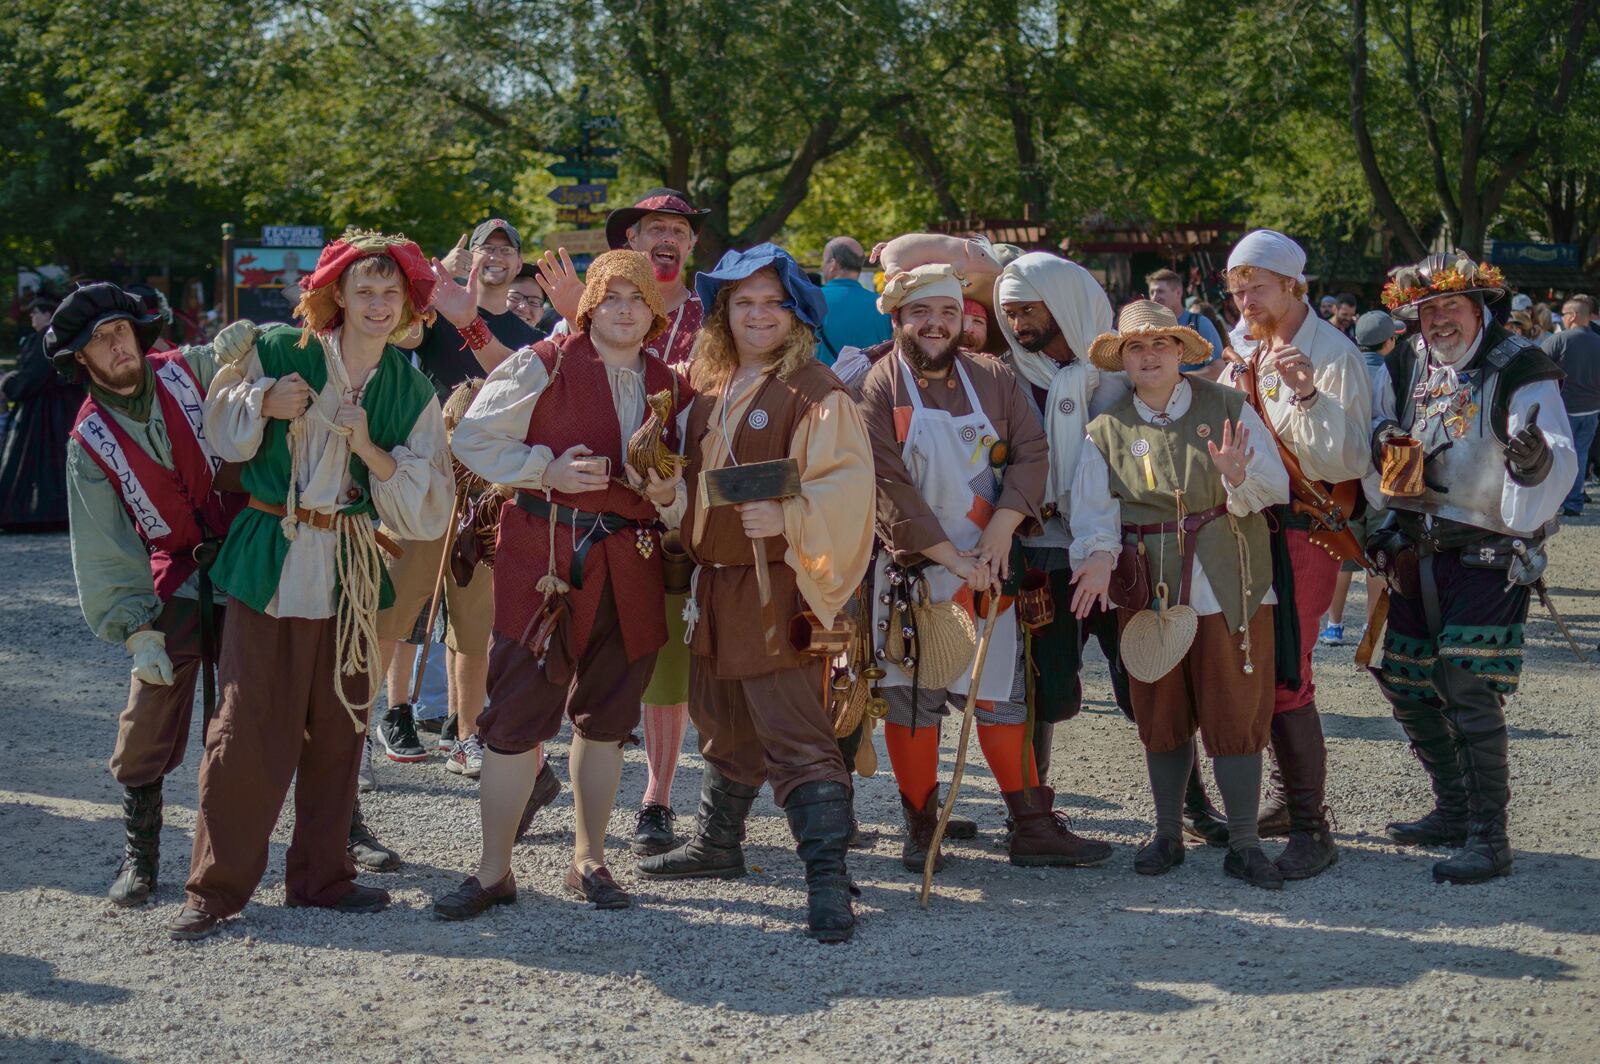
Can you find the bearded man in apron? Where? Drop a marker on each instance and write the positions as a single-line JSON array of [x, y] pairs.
[[961, 465]]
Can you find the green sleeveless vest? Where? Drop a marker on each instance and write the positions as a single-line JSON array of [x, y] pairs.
[[1178, 459], [251, 561]]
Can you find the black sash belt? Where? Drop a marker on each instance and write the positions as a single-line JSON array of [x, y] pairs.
[[205, 553], [1286, 618], [592, 528]]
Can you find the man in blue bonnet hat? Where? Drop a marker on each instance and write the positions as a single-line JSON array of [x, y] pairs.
[[761, 712]]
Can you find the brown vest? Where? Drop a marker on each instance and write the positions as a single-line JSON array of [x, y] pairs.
[[729, 629]]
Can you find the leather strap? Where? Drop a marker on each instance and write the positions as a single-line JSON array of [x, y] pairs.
[[595, 526], [1190, 525], [321, 521]]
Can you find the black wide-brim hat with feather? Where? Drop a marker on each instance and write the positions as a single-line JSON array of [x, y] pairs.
[[87, 308]]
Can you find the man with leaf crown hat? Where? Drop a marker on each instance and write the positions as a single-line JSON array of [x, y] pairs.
[[1474, 454]]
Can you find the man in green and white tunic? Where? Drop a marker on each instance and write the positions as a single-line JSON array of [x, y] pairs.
[[334, 427]]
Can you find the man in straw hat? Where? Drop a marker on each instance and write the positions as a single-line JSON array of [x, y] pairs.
[[578, 612], [333, 426], [1464, 542], [664, 226], [1312, 390], [764, 397], [961, 465], [1175, 479]]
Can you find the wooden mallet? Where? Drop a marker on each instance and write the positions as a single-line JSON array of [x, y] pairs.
[[755, 482]]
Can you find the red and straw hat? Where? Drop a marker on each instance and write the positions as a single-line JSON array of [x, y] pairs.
[[656, 201]]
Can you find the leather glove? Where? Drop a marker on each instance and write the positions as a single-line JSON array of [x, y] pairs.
[[1528, 457], [1390, 429], [234, 343], [150, 662]]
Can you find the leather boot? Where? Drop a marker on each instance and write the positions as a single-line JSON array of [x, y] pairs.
[[819, 818], [1478, 717], [920, 824], [141, 825], [1043, 736], [1435, 746], [1200, 818], [1042, 837], [1273, 820], [1303, 756], [365, 849], [715, 850]]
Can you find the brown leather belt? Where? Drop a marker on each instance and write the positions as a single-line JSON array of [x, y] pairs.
[[1190, 525], [322, 521]]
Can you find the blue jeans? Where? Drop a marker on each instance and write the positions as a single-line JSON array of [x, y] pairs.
[[1583, 430]]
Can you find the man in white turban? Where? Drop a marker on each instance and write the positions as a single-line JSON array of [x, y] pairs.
[[1050, 310], [1310, 385]]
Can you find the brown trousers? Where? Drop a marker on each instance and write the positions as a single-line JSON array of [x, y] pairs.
[[600, 690], [153, 731], [278, 718], [766, 728], [1209, 690]]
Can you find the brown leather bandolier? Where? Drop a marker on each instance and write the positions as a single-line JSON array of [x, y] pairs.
[[1328, 506]]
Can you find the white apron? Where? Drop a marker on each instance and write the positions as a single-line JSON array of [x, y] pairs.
[[948, 459]]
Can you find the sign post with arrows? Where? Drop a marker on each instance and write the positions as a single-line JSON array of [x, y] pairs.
[[579, 205]]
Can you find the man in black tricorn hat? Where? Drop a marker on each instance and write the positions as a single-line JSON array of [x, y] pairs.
[[664, 227], [147, 505]]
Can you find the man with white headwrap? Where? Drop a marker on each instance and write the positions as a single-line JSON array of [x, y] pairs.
[[1050, 311], [961, 467], [1311, 389]]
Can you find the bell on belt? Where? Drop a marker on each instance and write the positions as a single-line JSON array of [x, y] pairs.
[[885, 598], [883, 625], [895, 579], [908, 632], [908, 663], [881, 654]]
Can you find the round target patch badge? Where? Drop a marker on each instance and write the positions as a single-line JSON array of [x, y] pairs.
[[758, 419], [1140, 448], [968, 434], [1067, 406], [1203, 431]]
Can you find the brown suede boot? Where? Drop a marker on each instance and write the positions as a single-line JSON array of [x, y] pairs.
[[1303, 756], [920, 824], [1042, 837], [1273, 820]]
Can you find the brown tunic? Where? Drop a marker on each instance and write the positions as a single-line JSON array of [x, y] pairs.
[[905, 524], [729, 629]]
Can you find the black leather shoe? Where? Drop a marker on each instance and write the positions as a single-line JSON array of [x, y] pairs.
[[360, 900], [472, 898], [1253, 867], [365, 850], [598, 889], [1207, 826], [193, 925], [1158, 856], [1435, 829], [1478, 862], [652, 832], [545, 789]]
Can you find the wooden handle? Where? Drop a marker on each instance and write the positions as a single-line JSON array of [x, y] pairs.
[[1380, 616], [769, 615], [961, 754]]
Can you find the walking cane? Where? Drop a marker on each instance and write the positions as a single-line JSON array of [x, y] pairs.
[[961, 747], [438, 597]]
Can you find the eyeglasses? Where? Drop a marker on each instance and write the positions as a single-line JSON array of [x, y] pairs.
[[517, 299], [499, 251]]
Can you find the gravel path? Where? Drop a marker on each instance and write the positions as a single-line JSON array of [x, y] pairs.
[[1372, 961]]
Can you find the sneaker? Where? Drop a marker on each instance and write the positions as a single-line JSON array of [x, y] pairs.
[[1571, 511], [364, 781], [398, 734], [466, 758], [1333, 635], [447, 735]]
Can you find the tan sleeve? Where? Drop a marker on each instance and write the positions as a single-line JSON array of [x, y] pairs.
[[829, 524], [905, 523]]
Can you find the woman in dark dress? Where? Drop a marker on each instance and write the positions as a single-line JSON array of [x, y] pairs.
[[33, 454]]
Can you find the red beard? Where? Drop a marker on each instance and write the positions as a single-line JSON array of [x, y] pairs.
[[665, 273]]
